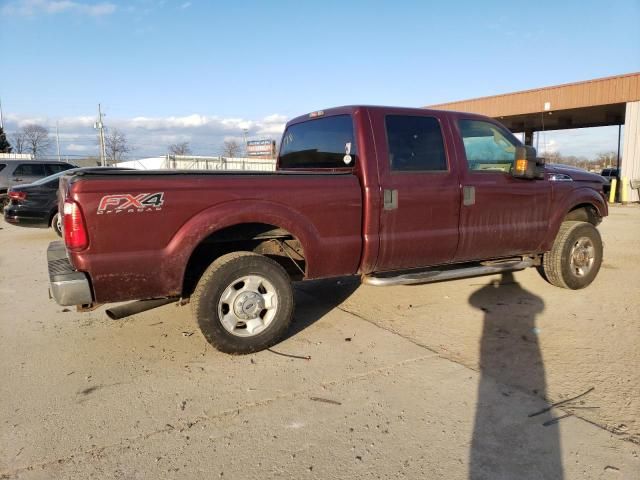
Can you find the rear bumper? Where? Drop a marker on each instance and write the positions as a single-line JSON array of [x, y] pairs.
[[68, 286], [25, 218]]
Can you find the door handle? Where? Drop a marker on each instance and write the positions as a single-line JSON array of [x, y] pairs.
[[468, 195], [390, 199]]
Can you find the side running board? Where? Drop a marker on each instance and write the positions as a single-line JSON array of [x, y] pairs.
[[429, 276]]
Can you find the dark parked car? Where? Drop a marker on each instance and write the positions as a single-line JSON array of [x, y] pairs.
[[36, 204], [609, 174], [22, 172]]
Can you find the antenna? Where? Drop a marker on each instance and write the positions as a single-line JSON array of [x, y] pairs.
[[1, 119]]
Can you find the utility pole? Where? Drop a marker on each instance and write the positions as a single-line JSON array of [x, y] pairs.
[[57, 140], [244, 136], [100, 127]]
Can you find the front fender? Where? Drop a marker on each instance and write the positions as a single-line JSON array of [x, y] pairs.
[[562, 206]]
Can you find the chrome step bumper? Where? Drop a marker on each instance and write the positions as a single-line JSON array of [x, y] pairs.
[[68, 286]]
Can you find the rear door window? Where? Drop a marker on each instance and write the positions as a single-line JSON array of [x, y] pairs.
[[29, 170], [415, 144], [321, 143], [56, 168], [2, 165]]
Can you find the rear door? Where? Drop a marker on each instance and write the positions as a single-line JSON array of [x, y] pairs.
[[500, 215], [52, 168], [420, 189], [28, 172]]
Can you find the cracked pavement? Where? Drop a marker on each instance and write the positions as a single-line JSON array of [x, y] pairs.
[[435, 381]]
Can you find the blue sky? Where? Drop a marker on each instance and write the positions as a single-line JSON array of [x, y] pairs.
[[200, 71]]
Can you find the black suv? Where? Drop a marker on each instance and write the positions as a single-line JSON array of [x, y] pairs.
[[20, 172], [609, 174]]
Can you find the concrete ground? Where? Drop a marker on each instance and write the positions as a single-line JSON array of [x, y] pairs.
[[432, 381]]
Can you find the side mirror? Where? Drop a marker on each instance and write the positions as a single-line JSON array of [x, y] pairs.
[[527, 165]]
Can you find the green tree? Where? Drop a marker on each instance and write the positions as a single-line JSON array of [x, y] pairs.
[[5, 146]]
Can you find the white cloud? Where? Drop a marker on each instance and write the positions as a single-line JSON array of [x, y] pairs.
[[185, 5], [30, 8], [150, 136], [75, 148]]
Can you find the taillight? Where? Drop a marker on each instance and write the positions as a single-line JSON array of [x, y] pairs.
[[75, 230], [17, 195]]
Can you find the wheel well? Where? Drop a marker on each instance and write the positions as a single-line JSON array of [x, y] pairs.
[[269, 240], [584, 213], [52, 214]]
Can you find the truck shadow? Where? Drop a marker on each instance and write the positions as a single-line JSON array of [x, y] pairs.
[[506, 442], [315, 298]]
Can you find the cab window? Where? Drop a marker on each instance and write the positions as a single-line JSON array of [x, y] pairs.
[[488, 147], [415, 143], [321, 143]]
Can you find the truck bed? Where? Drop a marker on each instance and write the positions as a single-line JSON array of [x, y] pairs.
[[142, 253]]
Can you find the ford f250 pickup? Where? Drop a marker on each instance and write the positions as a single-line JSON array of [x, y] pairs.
[[395, 195]]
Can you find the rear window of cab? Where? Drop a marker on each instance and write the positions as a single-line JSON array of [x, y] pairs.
[[326, 143]]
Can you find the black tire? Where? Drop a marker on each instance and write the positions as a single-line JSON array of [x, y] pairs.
[[55, 224], [224, 275], [562, 268]]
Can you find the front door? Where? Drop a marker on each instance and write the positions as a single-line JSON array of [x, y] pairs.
[[421, 194], [500, 215]]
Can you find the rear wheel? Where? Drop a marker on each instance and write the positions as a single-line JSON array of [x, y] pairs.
[[243, 302], [575, 257], [56, 224]]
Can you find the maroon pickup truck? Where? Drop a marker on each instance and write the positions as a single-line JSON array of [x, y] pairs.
[[395, 195]]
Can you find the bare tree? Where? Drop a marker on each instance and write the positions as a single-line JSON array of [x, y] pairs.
[[19, 142], [116, 146], [5, 146], [36, 139], [181, 148], [230, 148], [607, 159]]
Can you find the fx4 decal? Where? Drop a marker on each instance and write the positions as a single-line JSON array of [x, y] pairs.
[[128, 203]]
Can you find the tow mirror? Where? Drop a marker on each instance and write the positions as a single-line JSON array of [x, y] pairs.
[[526, 164]]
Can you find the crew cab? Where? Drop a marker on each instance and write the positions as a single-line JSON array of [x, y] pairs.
[[395, 195]]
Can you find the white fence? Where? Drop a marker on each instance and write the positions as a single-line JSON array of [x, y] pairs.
[[194, 162], [16, 156]]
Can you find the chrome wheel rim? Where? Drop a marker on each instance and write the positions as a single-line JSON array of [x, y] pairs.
[[582, 257], [248, 306], [58, 222]]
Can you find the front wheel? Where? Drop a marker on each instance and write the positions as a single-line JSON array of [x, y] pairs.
[[575, 257], [56, 224], [243, 302]]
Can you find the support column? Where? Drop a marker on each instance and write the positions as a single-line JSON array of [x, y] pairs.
[[630, 163], [528, 137]]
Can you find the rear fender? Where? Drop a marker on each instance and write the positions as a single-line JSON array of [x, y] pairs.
[[177, 253]]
